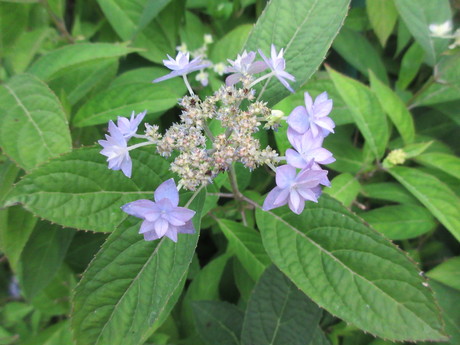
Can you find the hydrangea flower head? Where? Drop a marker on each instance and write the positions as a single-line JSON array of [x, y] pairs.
[[162, 217], [115, 148], [243, 64], [181, 65], [313, 116], [307, 148], [128, 127], [277, 64], [294, 189]]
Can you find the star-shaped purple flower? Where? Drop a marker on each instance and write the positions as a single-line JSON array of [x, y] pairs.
[[277, 64], [115, 148], [162, 217], [243, 64], [294, 189], [128, 127], [313, 116], [181, 66], [307, 149]]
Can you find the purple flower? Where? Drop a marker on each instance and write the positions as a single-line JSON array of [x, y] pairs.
[[294, 189], [181, 66], [128, 127], [243, 64], [308, 149], [115, 148], [277, 64], [162, 217], [313, 116]]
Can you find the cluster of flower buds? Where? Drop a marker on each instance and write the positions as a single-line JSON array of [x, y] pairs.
[[444, 30], [234, 115]]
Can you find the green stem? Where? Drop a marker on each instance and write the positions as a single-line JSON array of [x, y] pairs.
[[193, 197], [428, 83], [60, 25]]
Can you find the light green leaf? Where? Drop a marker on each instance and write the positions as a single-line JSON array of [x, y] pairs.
[[351, 270], [129, 19], [432, 193], [400, 222], [231, 44], [410, 65], [450, 164], [389, 191], [279, 313], [135, 278], [192, 33], [344, 188], [42, 256], [382, 15], [416, 149], [218, 322], [447, 273], [394, 108], [57, 334], [296, 26], [403, 37], [418, 15], [131, 91], [247, 245], [78, 190], [13, 22], [366, 111], [34, 127], [59, 61], [357, 51]]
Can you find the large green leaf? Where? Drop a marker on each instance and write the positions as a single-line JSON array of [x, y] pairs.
[[34, 127], [345, 188], [434, 194], [132, 285], [247, 245], [218, 322], [400, 222], [450, 164], [131, 91], [447, 272], [279, 313], [59, 61], [305, 29], [410, 65], [382, 15], [395, 109], [418, 15], [230, 45], [366, 111], [351, 270], [359, 53], [57, 334], [389, 191], [78, 190], [43, 256]]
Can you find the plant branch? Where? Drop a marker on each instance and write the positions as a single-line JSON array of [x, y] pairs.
[[58, 22]]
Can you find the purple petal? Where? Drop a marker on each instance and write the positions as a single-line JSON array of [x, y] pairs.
[[322, 156], [296, 203], [298, 120], [285, 175], [295, 159], [308, 193], [182, 213], [127, 166], [172, 233], [188, 228], [282, 197], [161, 226], [151, 236], [257, 67], [167, 190], [269, 202], [232, 79], [308, 102], [326, 123], [139, 208], [147, 226], [167, 76]]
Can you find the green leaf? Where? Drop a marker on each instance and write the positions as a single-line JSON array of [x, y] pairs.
[[218, 322], [432, 193], [135, 19], [351, 270], [192, 33], [247, 245], [132, 285], [418, 15], [400, 222], [410, 65], [382, 15], [389, 191], [447, 273], [450, 164], [296, 27], [357, 51], [43, 256], [57, 334], [231, 44], [13, 22], [279, 313], [131, 91], [344, 188], [59, 61], [34, 126], [394, 108], [78, 190], [366, 111]]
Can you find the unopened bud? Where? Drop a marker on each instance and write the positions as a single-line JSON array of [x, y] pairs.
[[396, 157]]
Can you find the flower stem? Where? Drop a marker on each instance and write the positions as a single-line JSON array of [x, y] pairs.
[[208, 132], [258, 80], [188, 85], [140, 145]]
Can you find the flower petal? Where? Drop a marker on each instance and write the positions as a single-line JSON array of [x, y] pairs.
[[298, 120], [285, 175], [269, 202], [139, 208], [167, 190], [161, 226], [295, 159], [188, 228]]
